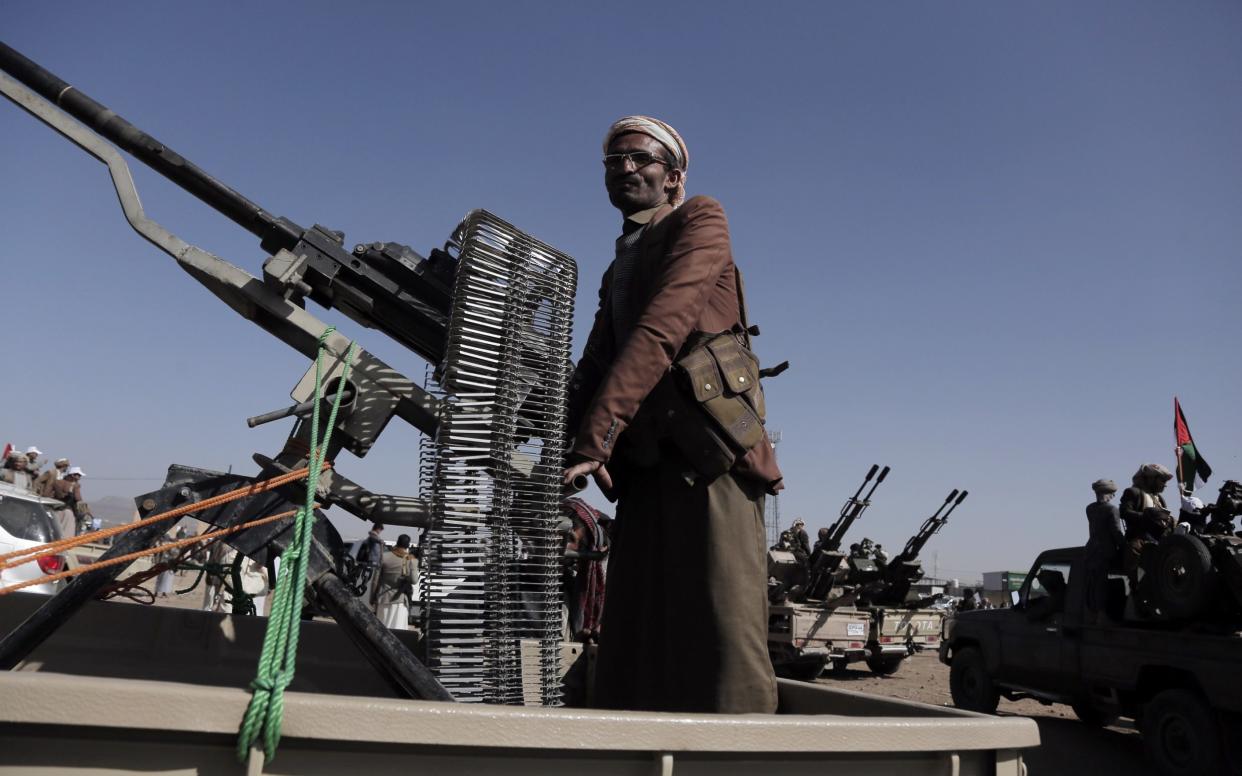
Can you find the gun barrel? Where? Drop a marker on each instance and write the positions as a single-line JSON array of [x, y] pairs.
[[930, 526], [576, 485], [853, 508], [274, 232], [876, 484]]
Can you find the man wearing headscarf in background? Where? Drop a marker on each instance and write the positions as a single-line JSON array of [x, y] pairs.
[[804, 541], [1105, 543], [14, 471], [1147, 518], [685, 623], [43, 483], [398, 571], [68, 491], [32, 461]]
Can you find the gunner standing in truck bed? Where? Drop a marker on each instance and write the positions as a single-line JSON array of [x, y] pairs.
[[685, 618]]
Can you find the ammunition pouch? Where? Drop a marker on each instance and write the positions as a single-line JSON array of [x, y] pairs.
[[717, 377]]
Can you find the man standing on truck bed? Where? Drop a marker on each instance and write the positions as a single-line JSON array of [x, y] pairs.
[[685, 614], [68, 491], [1147, 518], [1105, 543]]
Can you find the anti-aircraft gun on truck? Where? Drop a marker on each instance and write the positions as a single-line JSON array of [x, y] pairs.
[[812, 578], [887, 583], [807, 628], [899, 627], [491, 312], [825, 565]]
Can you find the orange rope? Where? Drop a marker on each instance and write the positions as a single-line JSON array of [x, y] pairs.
[[149, 551], [53, 548], [131, 587]]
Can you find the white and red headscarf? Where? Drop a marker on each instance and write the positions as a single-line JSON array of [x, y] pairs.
[[665, 136]]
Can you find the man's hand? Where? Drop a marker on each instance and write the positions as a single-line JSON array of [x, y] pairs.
[[593, 468]]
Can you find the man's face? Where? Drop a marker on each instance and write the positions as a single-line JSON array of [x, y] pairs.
[[632, 189]]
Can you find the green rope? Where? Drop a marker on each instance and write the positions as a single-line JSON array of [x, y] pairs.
[[280, 642], [242, 602]]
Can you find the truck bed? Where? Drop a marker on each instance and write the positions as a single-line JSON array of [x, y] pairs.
[[172, 694]]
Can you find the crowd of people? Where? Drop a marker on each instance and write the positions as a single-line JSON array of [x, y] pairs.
[[60, 481]]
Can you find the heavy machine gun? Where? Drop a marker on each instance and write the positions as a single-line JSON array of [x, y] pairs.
[[888, 582], [491, 311]]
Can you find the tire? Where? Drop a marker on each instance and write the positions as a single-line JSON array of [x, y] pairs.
[[969, 683], [884, 665], [1183, 576], [1092, 716], [802, 668], [1181, 734]]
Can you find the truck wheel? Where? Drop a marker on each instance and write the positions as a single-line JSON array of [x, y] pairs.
[[969, 684], [1092, 716], [1183, 576], [1181, 734], [884, 665]]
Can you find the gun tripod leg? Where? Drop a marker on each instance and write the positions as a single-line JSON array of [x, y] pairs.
[[381, 648]]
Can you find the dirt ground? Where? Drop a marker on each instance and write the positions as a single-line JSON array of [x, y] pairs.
[[1067, 748]]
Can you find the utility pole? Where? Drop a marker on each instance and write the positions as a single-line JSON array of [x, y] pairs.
[[772, 510]]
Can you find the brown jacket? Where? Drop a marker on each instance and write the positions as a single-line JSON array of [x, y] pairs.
[[66, 491], [684, 282], [43, 483]]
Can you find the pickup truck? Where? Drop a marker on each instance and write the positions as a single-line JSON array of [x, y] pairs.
[[804, 638], [1182, 687]]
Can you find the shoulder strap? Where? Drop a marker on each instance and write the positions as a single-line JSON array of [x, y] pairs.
[[741, 304]]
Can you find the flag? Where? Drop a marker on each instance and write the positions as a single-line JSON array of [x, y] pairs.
[[1189, 461]]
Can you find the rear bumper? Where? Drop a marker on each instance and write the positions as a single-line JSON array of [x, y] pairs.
[[884, 650]]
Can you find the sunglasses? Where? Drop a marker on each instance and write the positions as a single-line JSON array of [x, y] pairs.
[[640, 159]]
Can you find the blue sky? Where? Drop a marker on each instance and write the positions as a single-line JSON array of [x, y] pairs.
[[994, 239]]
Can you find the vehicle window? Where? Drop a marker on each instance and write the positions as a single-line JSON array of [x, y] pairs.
[[27, 520], [1048, 586]]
